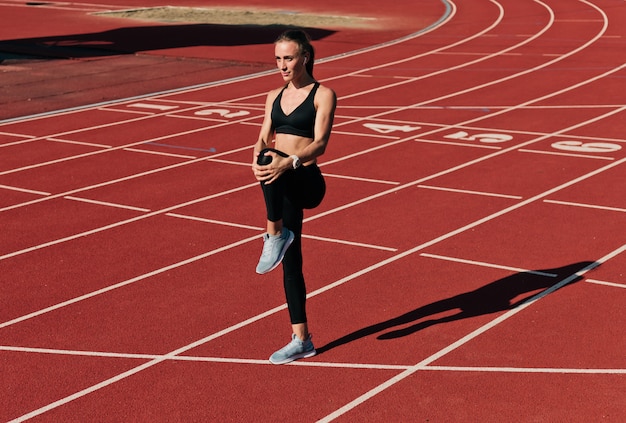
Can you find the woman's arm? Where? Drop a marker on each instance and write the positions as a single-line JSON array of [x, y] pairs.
[[267, 132], [265, 136], [325, 103]]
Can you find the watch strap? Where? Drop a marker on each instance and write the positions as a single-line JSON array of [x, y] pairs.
[[296, 161]]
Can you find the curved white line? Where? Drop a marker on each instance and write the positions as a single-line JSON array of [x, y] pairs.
[[447, 15]]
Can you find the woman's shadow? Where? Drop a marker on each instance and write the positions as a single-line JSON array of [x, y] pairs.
[[503, 294]]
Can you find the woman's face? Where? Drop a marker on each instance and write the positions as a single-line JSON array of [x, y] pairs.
[[289, 61]]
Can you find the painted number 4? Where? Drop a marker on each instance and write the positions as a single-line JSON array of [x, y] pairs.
[[387, 129]]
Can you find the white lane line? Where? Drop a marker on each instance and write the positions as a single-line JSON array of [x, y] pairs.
[[558, 370], [590, 206], [27, 191], [611, 284], [107, 204], [557, 153], [197, 359], [464, 191], [489, 265], [312, 363]]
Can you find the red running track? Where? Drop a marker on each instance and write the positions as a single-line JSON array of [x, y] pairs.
[[466, 265]]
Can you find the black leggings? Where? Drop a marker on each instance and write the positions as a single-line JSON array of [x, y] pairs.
[[286, 198]]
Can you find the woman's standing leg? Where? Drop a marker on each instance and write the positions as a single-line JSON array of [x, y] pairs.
[[305, 190], [293, 278], [301, 345]]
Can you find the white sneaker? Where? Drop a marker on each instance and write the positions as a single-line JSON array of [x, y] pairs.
[[294, 350], [274, 248]]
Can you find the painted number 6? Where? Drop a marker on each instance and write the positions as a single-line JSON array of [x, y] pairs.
[[589, 147]]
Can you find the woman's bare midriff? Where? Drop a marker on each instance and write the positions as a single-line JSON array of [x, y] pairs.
[[292, 144]]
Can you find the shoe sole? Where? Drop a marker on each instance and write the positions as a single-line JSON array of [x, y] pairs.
[[281, 256], [295, 357]]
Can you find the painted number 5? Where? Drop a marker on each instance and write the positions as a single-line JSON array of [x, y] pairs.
[[484, 138]]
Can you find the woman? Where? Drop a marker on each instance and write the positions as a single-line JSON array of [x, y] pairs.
[[300, 116]]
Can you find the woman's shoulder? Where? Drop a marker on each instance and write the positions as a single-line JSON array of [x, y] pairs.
[[325, 93], [324, 89], [273, 94]]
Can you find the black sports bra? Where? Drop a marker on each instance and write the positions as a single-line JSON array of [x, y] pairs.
[[301, 121]]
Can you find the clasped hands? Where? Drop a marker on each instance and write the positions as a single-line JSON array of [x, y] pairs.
[[272, 171]]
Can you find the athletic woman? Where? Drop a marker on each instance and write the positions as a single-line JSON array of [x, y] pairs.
[[298, 118]]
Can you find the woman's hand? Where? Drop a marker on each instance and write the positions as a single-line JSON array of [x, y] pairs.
[[269, 173]]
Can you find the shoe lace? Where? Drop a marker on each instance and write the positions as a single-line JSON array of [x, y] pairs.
[[268, 246], [293, 346]]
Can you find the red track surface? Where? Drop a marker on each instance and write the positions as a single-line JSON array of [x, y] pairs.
[[466, 265]]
